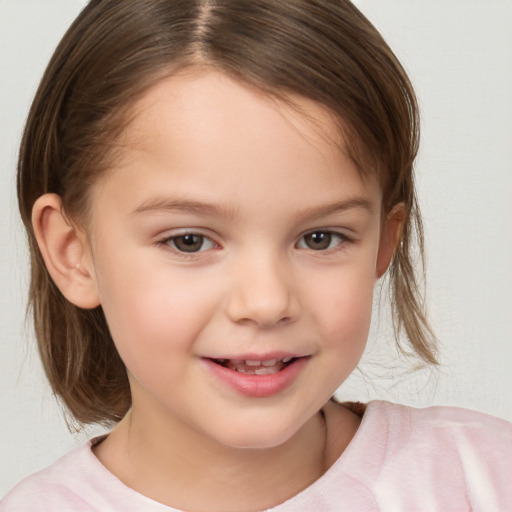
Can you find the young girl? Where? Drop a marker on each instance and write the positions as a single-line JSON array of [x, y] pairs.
[[211, 190]]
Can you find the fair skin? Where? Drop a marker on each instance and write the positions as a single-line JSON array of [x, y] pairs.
[[232, 229]]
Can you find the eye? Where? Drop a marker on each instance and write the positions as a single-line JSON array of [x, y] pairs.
[[190, 242], [321, 240]]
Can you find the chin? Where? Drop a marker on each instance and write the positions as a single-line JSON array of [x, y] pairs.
[[256, 443], [257, 436]]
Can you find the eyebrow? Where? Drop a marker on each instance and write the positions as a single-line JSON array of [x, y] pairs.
[[352, 203], [213, 210], [186, 206]]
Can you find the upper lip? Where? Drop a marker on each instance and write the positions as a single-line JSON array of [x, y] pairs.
[[268, 356]]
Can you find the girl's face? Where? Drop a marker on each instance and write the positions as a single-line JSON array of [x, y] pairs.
[[234, 251]]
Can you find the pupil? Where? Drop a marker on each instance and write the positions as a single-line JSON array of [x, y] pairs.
[[318, 241], [189, 243]]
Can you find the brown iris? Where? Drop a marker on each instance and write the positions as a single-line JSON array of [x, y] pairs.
[[318, 240], [188, 243]]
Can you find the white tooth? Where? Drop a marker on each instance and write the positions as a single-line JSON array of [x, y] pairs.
[[270, 362], [265, 371], [252, 363], [221, 360], [287, 359]]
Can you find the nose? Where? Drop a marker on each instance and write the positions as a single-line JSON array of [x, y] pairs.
[[262, 293]]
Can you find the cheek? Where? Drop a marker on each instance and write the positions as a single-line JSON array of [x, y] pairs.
[[344, 309], [152, 311]]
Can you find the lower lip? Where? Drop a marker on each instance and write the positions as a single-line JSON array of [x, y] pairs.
[[258, 385]]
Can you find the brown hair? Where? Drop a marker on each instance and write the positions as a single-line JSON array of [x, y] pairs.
[[325, 50]]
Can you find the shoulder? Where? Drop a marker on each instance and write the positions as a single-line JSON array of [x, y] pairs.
[[434, 414], [439, 423], [457, 455], [77, 482], [442, 434], [58, 488]]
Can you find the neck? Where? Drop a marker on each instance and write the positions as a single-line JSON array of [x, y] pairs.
[[170, 462]]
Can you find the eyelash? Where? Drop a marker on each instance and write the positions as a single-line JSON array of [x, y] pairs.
[[170, 241], [342, 239]]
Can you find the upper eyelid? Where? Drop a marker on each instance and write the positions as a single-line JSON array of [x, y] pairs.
[[166, 237], [177, 232], [166, 242], [344, 239], [344, 233]]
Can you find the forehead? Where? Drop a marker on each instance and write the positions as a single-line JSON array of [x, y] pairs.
[[210, 102], [203, 129]]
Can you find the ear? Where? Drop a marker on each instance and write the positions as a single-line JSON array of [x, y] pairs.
[[390, 237], [66, 252]]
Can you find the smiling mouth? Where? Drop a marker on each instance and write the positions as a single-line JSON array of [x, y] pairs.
[[254, 367]]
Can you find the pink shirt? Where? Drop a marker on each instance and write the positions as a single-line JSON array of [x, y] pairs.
[[400, 460]]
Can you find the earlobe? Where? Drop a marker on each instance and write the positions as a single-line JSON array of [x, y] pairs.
[[65, 251], [391, 236]]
